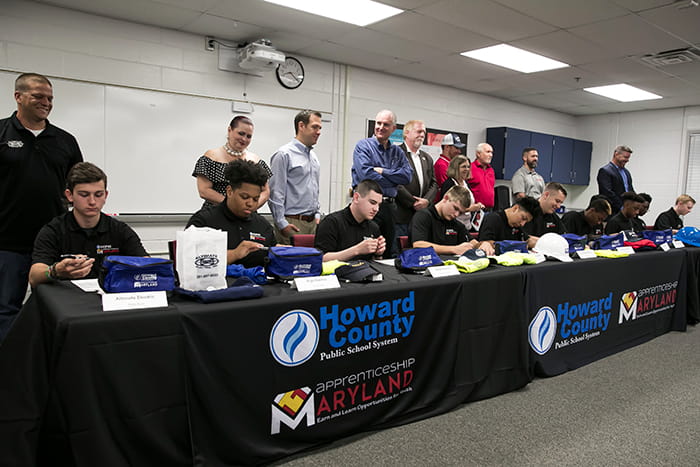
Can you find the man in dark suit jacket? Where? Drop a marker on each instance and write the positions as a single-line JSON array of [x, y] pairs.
[[614, 179], [419, 193]]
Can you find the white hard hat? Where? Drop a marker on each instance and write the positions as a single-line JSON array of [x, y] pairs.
[[554, 246]]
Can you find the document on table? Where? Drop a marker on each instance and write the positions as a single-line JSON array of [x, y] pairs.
[[88, 285]]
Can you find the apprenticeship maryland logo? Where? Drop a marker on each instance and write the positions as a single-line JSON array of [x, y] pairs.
[[291, 408], [628, 307]]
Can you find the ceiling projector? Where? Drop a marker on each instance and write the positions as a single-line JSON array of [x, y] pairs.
[[259, 55]]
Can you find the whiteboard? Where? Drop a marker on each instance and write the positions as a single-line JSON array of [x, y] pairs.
[[148, 141]]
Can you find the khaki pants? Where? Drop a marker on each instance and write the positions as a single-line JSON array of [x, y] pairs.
[[304, 228]]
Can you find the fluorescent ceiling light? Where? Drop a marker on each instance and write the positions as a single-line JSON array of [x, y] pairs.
[[514, 58], [358, 12], [623, 93]]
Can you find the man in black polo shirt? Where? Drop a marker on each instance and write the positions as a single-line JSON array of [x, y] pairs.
[[627, 218], [507, 224], [671, 219], [249, 235], [351, 233], [588, 222], [550, 200], [437, 226], [73, 245], [35, 157]]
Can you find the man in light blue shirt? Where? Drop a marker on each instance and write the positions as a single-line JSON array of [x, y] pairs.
[[377, 159], [294, 185]]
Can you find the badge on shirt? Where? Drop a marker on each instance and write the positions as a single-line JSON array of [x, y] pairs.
[[549, 225], [257, 237], [450, 232], [107, 250], [15, 144]]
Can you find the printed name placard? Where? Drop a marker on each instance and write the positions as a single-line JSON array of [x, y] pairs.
[[665, 246], [305, 284], [625, 249], [442, 271], [585, 254], [134, 300], [678, 244]]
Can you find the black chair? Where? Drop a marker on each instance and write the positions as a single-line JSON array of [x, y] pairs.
[[502, 199]]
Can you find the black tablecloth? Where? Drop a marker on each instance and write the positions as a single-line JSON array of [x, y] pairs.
[[156, 387]]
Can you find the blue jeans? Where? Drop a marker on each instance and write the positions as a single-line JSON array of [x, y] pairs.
[[14, 275]]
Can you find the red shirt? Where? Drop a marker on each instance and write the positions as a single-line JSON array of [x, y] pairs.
[[440, 168], [482, 181]]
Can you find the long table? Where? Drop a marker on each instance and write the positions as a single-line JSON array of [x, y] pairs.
[[250, 381]]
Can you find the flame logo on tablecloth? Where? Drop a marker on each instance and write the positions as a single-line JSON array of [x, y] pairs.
[[294, 338], [542, 330]]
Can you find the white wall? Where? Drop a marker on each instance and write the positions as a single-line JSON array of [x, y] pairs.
[[659, 139], [71, 45]]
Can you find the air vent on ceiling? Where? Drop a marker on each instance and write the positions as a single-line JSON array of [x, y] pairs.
[[673, 57]]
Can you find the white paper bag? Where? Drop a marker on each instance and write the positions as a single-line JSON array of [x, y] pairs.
[[201, 258]]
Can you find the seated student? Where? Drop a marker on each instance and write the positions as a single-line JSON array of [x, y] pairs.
[[671, 219], [626, 219], [507, 224], [351, 233], [550, 200], [247, 231], [438, 227], [588, 222], [73, 245], [645, 207]]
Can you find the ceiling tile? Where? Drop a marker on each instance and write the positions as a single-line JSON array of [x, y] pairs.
[[486, 18], [384, 44], [279, 18], [148, 12], [624, 71], [566, 47], [628, 35], [226, 29], [566, 14], [683, 23], [429, 31], [641, 5], [341, 54]]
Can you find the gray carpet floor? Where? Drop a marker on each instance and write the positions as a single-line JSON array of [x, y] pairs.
[[638, 407]]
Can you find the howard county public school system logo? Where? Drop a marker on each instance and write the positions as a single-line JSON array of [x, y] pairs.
[[294, 338], [542, 330]]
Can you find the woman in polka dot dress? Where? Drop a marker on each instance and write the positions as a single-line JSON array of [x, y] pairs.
[[209, 169]]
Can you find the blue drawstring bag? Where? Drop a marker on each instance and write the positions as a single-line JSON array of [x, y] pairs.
[[658, 236], [416, 260], [511, 245], [136, 274], [286, 263], [576, 242], [609, 242], [256, 273], [689, 236]]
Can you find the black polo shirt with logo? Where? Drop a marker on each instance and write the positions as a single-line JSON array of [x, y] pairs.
[[668, 220], [427, 225], [33, 173], [495, 227], [545, 223], [576, 223], [339, 231], [253, 228], [63, 236]]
